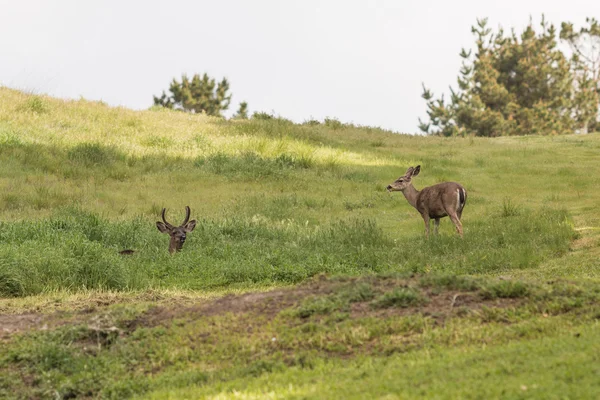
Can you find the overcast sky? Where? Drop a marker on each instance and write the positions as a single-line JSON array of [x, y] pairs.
[[359, 61]]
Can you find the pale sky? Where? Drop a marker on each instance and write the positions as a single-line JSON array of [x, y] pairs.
[[358, 61]]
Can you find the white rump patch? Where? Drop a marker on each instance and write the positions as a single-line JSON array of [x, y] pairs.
[[457, 199]]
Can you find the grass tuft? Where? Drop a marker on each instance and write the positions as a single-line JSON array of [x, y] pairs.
[[35, 104], [505, 290], [401, 297], [450, 282], [93, 154], [509, 209]]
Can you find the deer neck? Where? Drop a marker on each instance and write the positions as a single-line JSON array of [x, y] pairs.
[[411, 195], [173, 246]]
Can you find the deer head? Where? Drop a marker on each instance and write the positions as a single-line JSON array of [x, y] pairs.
[[405, 180], [177, 233]]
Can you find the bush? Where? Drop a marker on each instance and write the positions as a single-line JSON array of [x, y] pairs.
[[262, 116]]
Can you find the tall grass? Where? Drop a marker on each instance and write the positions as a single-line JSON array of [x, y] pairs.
[[78, 250], [278, 201]]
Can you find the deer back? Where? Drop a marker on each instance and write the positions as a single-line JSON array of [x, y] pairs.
[[442, 199]]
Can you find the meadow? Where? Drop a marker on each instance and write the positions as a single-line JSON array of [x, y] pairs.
[[302, 267]]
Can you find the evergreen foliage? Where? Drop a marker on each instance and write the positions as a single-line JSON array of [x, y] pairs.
[[512, 85], [585, 59], [242, 112], [198, 95]]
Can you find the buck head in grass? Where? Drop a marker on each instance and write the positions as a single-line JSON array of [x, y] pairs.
[[433, 202], [179, 233]]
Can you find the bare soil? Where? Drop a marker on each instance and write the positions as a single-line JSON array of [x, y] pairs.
[[442, 304]]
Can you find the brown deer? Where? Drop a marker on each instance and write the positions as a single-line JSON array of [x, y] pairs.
[[177, 233], [437, 201]]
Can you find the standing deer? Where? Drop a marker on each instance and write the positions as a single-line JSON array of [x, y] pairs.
[[177, 233], [437, 201]]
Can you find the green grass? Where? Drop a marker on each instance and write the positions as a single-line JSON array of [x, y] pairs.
[[569, 369], [277, 204], [124, 351], [79, 250]]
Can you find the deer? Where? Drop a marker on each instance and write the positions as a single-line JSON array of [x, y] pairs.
[[433, 202], [178, 233]]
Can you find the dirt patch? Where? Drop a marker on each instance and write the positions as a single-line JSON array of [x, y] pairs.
[[587, 241], [91, 301], [267, 304], [441, 304], [51, 313], [11, 324]]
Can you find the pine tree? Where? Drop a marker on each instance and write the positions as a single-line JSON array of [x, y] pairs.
[[511, 85], [198, 95], [585, 59], [242, 112]]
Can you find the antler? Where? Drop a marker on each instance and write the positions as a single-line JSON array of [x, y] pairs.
[[164, 220], [187, 215]]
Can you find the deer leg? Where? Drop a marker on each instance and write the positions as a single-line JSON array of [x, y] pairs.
[[436, 224], [457, 223], [426, 220]]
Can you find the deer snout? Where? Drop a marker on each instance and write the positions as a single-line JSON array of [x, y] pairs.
[[389, 187]]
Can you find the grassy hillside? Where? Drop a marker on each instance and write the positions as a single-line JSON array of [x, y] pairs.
[[279, 204]]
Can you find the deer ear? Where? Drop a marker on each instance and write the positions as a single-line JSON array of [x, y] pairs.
[[417, 170], [190, 226], [162, 227], [408, 172]]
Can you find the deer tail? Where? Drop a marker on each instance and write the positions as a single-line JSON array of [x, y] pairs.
[[462, 198]]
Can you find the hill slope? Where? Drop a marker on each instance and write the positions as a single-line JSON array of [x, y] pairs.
[[277, 204]]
